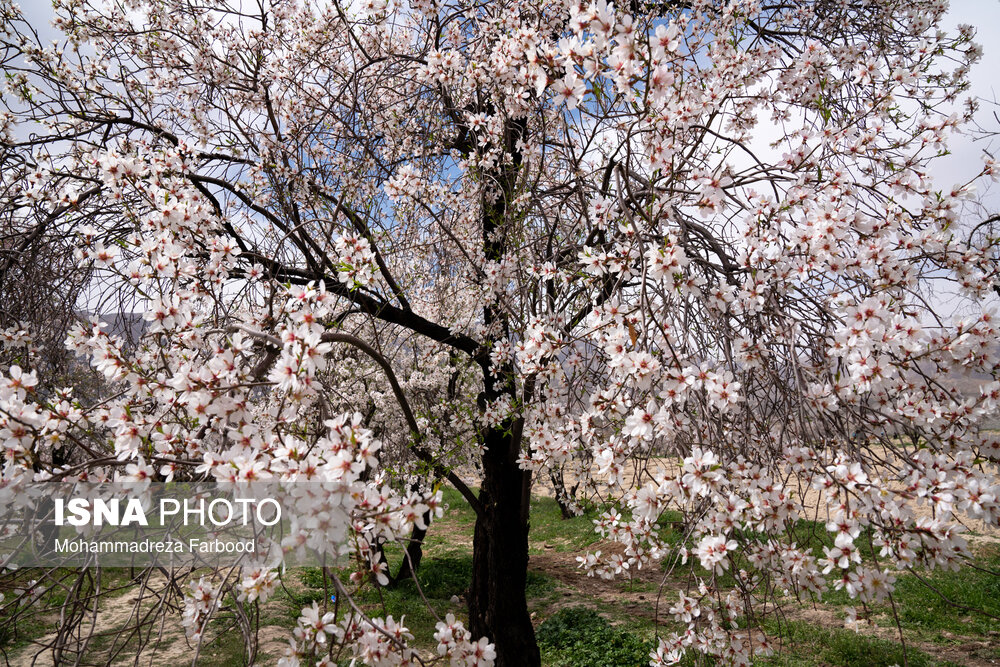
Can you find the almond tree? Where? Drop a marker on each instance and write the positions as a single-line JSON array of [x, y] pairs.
[[40, 280], [694, 243]]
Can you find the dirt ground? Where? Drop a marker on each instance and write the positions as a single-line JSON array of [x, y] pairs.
[[167, 646]]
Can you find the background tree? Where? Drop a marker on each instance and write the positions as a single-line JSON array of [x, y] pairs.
[[566, 214], [40, 281]]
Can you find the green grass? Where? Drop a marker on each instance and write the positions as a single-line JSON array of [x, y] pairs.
[[451, 534], [547, 527], [627, 585], [562, 535], [225, 650], [615, 630], [928, 612], [807, 645], [440, 577], [921, 608], [458, 508]]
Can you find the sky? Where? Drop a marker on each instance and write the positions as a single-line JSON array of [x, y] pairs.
[[964, 161]]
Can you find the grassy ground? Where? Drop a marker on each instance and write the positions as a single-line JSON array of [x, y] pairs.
[[588, 622], [618, 627]]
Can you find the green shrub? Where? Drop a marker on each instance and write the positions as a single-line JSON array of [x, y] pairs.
[[580, 637]]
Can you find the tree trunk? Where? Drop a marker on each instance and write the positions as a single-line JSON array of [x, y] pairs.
[[564, 497], [497, 605], [414, 553], [498, 608]]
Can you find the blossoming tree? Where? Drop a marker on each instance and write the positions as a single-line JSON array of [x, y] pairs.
[[686, 254]]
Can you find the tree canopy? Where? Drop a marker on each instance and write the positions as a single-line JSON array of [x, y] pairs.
[[677, 256]]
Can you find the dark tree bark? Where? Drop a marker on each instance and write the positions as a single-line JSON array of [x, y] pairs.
[[413, 555], [564, 496], [498, 608]]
